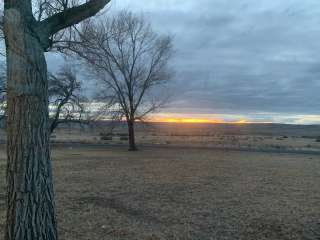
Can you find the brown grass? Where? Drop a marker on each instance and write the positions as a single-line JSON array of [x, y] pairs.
[[183, 193]]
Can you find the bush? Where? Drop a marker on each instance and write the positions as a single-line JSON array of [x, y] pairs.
[[122, 134], [106, 138], [124, 138], [108, 134]]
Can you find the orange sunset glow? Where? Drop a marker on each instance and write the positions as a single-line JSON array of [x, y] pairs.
[[187, 120], [195, 120]]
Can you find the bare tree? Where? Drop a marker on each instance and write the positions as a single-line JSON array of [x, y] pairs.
[[42, 9], [30, 197], [64, 89], [130, 60], [63, 39], [65, 98]]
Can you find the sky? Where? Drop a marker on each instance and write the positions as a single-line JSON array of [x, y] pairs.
[[240, 60]]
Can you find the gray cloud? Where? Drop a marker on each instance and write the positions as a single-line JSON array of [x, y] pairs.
[[245, 56], [240, 56]]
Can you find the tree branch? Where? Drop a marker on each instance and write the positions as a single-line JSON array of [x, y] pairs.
[[71, 16]]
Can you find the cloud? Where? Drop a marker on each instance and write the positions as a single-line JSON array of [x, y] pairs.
[[242, 57]]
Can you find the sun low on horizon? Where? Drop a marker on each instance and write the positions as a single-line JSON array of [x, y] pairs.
[[187, 120], [234, 118], [192, 119]]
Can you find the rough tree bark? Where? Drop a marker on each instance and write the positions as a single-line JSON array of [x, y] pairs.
[[30, 197], [30, 213]]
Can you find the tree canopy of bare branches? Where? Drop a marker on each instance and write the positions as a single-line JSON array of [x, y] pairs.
[[130, 60], [65, 98], [61, 38]]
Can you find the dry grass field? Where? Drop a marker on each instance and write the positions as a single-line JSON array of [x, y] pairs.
[[258, 137], [163, 192]]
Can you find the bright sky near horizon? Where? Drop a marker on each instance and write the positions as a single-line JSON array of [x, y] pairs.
[[249, 60]]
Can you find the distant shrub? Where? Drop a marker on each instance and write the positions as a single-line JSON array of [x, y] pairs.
[[122, 134], [308, 137], [106, 138], [108, 134], [124, 138], [318, 139]]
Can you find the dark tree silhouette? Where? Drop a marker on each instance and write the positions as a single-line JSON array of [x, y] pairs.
[[66, 101], [30, 197], [65, 98], [130, 60]]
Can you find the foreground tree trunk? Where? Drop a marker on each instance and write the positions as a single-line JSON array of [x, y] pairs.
[[30, 201], [30, 198], [132, 140]]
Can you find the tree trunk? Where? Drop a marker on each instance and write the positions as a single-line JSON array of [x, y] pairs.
[[132, 141], [30, 198]]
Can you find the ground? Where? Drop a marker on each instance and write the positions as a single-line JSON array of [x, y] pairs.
[[163, 192], [259, 137]]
